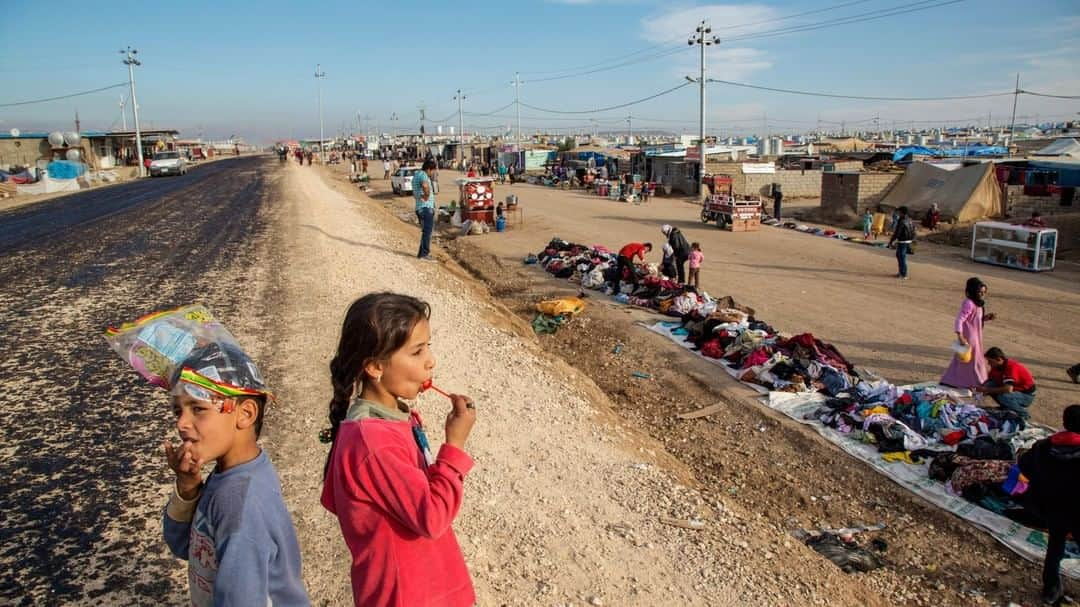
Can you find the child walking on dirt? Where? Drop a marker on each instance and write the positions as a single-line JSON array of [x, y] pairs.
[[867, 223], [394, 500], [696, 257]]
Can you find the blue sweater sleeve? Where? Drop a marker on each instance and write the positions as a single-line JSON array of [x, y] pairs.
[[177, 535]]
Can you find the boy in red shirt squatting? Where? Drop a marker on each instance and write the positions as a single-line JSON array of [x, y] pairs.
[[394, 500], [1009, 383]]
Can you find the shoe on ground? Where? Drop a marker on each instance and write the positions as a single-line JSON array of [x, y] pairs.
[[1074, 373], [903, 278], [428, 258]]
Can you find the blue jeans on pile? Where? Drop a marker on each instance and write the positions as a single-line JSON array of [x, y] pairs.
[[1013, 401], [902, 250], [426, 216]]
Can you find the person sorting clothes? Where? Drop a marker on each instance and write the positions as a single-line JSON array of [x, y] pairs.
[[1009, 383], [1052, 467], [627, 254]]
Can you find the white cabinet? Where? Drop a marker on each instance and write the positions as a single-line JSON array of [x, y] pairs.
[[1014, 246]]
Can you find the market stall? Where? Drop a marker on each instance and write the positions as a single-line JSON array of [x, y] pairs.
[[477, 196]]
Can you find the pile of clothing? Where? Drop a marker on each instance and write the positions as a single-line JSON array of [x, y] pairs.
[[594, 268]]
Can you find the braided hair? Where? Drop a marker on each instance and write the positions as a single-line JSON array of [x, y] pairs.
[[376, 326]]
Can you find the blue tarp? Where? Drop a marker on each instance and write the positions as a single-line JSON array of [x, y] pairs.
[[66, 169], [960, 152]]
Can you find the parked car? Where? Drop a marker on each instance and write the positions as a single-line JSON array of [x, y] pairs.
[[401, 180], [168, 163]]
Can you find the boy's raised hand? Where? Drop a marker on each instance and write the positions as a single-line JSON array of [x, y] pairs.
[[187, 467], [460, 420]]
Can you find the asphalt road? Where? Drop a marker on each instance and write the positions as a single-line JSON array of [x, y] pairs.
[[82, 478]]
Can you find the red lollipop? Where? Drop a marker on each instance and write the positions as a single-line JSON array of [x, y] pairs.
[[427, 385]]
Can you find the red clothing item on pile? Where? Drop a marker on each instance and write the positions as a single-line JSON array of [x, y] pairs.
[[1013, 373], [395, 513], [633, 249]]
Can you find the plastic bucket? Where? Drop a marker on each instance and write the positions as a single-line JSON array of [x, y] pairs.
[[962, 352], [500, 224]]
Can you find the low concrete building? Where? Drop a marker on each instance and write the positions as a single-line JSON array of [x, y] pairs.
[[847, 194]]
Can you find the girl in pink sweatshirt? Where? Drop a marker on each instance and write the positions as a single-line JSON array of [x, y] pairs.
[[395, 501]]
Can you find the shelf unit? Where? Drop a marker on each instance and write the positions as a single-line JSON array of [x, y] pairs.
[[1021, 247]]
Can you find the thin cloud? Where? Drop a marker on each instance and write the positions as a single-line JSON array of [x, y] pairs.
[[727, 64], [672, 25]]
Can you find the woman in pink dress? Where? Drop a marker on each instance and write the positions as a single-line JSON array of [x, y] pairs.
[[968, 327]]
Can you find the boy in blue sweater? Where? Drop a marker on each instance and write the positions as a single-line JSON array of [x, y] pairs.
[[233, 528]]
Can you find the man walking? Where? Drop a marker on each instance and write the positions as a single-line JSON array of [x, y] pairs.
[[386, 168], [902, 237], [424, 193]]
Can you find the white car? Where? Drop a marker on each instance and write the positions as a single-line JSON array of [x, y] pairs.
[[401, 180], [168, 163]]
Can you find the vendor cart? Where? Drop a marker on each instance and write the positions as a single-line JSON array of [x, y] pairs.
[[477, 199], [728, 211]]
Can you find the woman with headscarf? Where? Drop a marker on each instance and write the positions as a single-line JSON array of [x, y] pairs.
[[681, 249], [968, 327]]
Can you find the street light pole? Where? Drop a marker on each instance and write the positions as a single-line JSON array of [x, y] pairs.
[[517, 105], [461, 129], [319, 75], [700, 39], [131, 62]]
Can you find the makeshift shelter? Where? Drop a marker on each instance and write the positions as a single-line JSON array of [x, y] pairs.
[[966, 194], [1064, 148]]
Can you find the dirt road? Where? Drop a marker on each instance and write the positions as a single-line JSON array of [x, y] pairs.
[[747, 455], [843, 293]]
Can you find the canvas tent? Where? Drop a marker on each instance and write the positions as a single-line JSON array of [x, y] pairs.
[[1066, 147], [966, 194]]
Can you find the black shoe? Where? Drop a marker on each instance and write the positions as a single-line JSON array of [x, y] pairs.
[[1074, 373]]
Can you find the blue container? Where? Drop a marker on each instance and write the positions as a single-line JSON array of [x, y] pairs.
[[500, 224]]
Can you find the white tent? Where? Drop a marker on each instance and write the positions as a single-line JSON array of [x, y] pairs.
[[1066, 147]]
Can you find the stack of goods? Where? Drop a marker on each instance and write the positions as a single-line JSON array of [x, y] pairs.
[[478, 199]]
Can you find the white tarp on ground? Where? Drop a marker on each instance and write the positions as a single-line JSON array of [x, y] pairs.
[[1028, 543], [48, 185]]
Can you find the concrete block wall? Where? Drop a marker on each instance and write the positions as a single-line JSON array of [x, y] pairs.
[[849, 194], [794, 184], [1018, 204]]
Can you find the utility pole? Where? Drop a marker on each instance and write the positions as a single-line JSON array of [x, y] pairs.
[[700, 38], [1012, 121], [461, 129], [131, 62], [393, 125], [629, 130], [517, 104], [319, 75], [78, 126], [123, 116]]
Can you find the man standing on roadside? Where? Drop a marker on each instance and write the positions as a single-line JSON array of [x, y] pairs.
[[424, 193], [386, 168], [902, 237]]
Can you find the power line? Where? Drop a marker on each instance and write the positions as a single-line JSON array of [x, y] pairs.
[[803, 14], [32, 101], [666, 53], [492, 112], [612, 107], [857, 18], [862, 97], [606, 61], [1023, 92]]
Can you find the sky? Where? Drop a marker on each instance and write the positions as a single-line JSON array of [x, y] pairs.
[[223, 68]]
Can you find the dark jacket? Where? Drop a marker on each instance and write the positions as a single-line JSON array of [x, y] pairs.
[[905, 230], [1052, 467], [678, 243]]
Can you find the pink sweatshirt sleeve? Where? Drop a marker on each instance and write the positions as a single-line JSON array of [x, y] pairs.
[[966, 310], [426, 503]]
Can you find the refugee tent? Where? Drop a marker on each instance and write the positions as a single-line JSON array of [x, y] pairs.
[[966, 194], [1066, 147]]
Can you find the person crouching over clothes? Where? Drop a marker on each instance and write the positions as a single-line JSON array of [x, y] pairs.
[[1009, 383], [1052, 467], [626, 261]]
